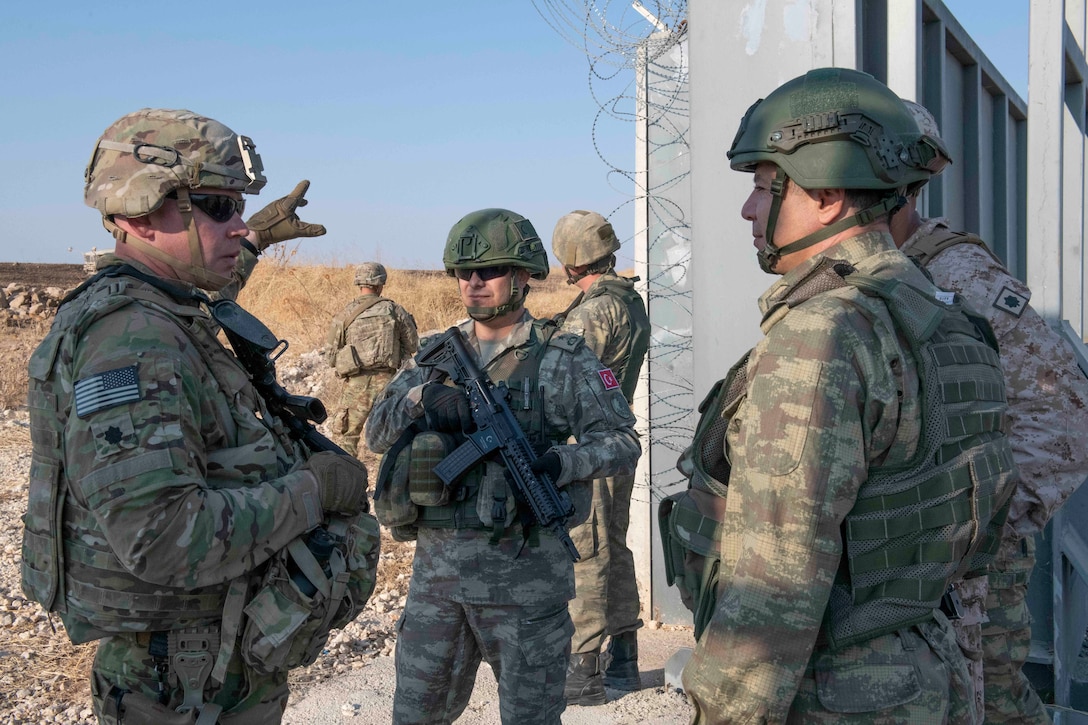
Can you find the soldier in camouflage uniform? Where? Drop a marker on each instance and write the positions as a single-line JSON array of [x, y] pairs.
[[611, 317], [1048, 415], [864, 457], [367, 342], [485, 583], [161, 487]]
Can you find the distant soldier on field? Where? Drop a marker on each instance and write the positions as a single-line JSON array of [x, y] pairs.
[[611, 316], [367, 343], [1048, 415]]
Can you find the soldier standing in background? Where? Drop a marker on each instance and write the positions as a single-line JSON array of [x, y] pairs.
[[611, 317], [367, 342], [487, 583], [863, 472], [1048, 420], [163, 494]]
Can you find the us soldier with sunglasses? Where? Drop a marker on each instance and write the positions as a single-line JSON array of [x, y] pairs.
[[486, 583], [160, 486]]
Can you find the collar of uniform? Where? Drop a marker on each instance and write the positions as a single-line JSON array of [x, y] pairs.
[[112, 260], [854, 250], [517, 337], [927, 228]]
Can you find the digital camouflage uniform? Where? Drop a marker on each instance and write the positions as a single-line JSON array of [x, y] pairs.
[[382, 335], [607, 602], [833, 395], [1048, 414], [504, 602]]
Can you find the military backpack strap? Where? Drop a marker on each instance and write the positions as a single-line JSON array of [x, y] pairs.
[[925, 249], [342, 321]]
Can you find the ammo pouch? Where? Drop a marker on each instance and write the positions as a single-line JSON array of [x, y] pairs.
[[690, 524], [406, 478], [302, 596]]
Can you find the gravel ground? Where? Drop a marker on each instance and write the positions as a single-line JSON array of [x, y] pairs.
[[43, 678]]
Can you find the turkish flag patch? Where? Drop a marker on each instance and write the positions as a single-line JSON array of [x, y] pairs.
[[609, 379]]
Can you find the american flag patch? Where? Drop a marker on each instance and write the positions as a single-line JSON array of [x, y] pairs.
[[106, 390], [609, 379]]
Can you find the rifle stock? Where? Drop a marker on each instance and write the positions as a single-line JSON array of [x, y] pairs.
[[254, 344], [496, 429]]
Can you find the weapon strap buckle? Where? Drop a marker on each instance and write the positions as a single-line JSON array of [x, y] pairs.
[[191, 656]]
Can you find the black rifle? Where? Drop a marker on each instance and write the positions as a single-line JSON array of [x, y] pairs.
[[254, 344], [496, 430]]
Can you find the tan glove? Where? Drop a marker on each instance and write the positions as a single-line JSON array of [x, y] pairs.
[[278, 221], [341, 482]]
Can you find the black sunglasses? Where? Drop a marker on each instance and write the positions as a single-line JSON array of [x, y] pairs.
[[219, 207], [484, 273]]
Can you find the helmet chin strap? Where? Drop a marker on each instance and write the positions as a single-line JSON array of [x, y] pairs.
[[193, 273], [517, 299], [770, 254]]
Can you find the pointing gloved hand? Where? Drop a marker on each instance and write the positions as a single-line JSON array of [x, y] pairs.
[[549, 464], [341, 482], [447, 409], [278, 221]]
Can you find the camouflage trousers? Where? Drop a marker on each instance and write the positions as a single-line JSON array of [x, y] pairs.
[[913, 676], [123, 661], [972, 593], [356, 400], [606, 599], [440, 644], [1006, 638]]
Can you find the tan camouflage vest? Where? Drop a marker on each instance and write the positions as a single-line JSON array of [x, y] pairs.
[[67, 565], [915, 526], [382, 352]]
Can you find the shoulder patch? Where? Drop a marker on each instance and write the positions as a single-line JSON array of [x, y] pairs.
[[106, 389], [1011, 301], [608, 378]]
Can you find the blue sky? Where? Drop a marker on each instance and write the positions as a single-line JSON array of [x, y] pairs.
[[404, 116]]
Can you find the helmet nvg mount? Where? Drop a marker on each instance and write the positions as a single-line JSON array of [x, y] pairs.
[[370, 274], [833, 128], [582, 238], [493, 238], [145, 156]]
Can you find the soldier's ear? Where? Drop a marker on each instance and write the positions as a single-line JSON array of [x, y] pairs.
[[138, 226]]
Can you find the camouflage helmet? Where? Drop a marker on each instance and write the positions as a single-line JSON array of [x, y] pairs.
[[146, 155], [927, 125], [494, 237], [836, 128], [583, 237], [371, 274]]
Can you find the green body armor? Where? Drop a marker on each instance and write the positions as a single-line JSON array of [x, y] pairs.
[[412, 496], [915, 526]]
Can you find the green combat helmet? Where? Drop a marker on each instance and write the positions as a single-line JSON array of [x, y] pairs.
[[493, 238], [833, 128], [582, 238], [148, 155], [370, 274]]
